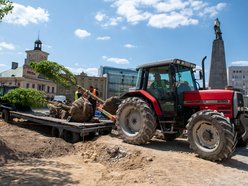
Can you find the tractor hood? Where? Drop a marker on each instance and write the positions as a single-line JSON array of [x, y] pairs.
[[221, 100]]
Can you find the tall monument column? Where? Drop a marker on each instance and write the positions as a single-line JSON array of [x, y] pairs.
[[218, 74]]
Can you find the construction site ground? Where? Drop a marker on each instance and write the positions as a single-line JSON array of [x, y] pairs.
[[30, 156]]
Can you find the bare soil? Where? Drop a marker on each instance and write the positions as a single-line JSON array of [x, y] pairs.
[[30, 156]]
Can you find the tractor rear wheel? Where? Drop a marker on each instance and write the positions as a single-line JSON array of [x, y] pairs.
[[135, 121], [211, 135]]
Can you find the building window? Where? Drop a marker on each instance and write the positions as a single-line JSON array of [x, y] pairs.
[[52, 89], [33, 86], [48, 89], [27, 85], [39, 87]]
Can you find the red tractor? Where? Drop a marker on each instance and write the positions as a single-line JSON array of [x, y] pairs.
[[168, 97]]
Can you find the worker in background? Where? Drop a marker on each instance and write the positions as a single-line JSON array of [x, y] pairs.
[[78, 93], [91, 99]]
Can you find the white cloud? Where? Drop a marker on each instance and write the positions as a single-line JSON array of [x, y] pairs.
[[170, 21], [129, 46], [82, 33], [103, 38], [9, 46], [213, 10], [106, 21], [100, 16], [170, 5], [161, 13], [115, 60], [112, 21], [88, 71], [23, 15], [3, 65], [239, 63]]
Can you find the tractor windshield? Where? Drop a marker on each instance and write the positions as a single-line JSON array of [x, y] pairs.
[[185, 75]]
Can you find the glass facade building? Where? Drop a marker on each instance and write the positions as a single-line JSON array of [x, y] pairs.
[[118, 80]]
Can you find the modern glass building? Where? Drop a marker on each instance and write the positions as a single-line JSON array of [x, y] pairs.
[[118, 80]]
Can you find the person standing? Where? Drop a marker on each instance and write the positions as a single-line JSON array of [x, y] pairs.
[[78, 93], [91, 99]]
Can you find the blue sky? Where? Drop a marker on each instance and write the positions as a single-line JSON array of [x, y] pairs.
[[84, 34]]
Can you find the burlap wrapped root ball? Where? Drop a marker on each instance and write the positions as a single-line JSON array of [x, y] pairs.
[[111, 104], [81, 110]]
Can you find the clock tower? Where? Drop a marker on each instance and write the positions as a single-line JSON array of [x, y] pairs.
[[36, 54]]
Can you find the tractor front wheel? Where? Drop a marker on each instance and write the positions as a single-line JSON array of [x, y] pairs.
[[211, 135], [135, 121]]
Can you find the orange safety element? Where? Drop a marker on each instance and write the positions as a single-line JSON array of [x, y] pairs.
[[94, 91]]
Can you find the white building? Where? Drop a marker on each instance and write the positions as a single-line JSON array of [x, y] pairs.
[[238, 78]]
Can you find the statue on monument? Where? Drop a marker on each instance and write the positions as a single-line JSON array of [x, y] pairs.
[[217, 30]]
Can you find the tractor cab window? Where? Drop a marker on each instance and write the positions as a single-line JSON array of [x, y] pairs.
[[159, 85], [158, 81], [184, 81], [139, 79]]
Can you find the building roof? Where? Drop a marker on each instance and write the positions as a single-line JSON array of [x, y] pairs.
[[38, 41], [18, 72], [166, 62]]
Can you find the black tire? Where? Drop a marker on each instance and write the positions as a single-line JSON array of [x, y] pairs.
[[71, 137], [211, 135], [6, 115], [135, 121]]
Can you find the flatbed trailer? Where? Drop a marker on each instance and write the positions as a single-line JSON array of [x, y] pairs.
[[70, 131]]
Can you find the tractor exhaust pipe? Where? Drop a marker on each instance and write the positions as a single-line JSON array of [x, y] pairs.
[[203, 73]]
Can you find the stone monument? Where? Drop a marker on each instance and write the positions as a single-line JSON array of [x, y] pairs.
[[218, 74]]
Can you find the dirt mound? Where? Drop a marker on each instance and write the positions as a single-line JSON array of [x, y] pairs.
[[114, 156], [6, 154], [25, 141]]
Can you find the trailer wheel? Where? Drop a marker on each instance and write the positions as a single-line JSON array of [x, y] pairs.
[[71, 137], [6, 115], [55, 132], [135, 121], [211, 135]]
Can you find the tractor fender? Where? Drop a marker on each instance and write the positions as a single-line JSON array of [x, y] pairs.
[[146, 96]]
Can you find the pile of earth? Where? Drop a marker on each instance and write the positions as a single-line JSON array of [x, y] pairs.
[[24, 140]]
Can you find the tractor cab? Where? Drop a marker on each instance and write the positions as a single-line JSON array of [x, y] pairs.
[[166, 81]]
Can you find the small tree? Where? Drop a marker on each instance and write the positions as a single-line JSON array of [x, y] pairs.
[[5, 7], [55, 72], [25, 97]]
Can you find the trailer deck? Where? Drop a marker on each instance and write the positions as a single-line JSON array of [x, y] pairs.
[[69, 131]]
